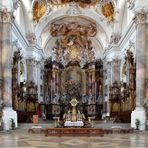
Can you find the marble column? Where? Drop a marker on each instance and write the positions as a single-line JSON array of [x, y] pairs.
[[108, 85], [6, 62], [53, 84], [147, 63], [93, 85], [18, 73], [6, 18], [30, 70], [1, 45], [58, 83], [15, 77], [139, 112], [38, 80], [116, 70], [89, 75]]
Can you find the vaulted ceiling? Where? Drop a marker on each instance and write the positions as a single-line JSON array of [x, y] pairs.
[[100, 13], [103, 13]]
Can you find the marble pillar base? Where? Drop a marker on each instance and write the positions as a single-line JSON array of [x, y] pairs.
[[9, 113], [138, 113], [104, 115]]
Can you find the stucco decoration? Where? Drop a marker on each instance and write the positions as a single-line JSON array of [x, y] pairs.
[[73, 43]]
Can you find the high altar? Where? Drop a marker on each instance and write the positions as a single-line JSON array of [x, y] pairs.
[[72, 71]]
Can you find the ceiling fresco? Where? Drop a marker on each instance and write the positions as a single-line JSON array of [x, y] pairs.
[[82, 3], [74, 43], [105, 7]]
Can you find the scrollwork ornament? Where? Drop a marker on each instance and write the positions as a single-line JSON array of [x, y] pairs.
[[140, 17]]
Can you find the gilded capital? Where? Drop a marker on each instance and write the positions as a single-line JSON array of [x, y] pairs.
[[6, 16], [140, 17]]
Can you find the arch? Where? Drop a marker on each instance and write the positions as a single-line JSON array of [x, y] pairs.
[[62, 12]]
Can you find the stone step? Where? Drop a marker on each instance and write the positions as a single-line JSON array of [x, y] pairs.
[[30, 125], [51, 124], [111, 125]]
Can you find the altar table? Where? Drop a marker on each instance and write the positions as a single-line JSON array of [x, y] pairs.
[[74, 124]]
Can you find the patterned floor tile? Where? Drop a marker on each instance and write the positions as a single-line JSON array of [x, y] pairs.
[[21, 139]]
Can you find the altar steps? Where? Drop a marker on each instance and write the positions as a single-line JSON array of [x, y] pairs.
[[96, 124], [110, 125], [29, 125]]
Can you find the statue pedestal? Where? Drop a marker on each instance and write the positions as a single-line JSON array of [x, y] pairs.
[[138, 113], [8, 114]]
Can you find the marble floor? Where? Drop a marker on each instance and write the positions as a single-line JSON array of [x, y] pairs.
[[21, 139]]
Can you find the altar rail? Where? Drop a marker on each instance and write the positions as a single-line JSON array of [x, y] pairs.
[[74, 132]]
